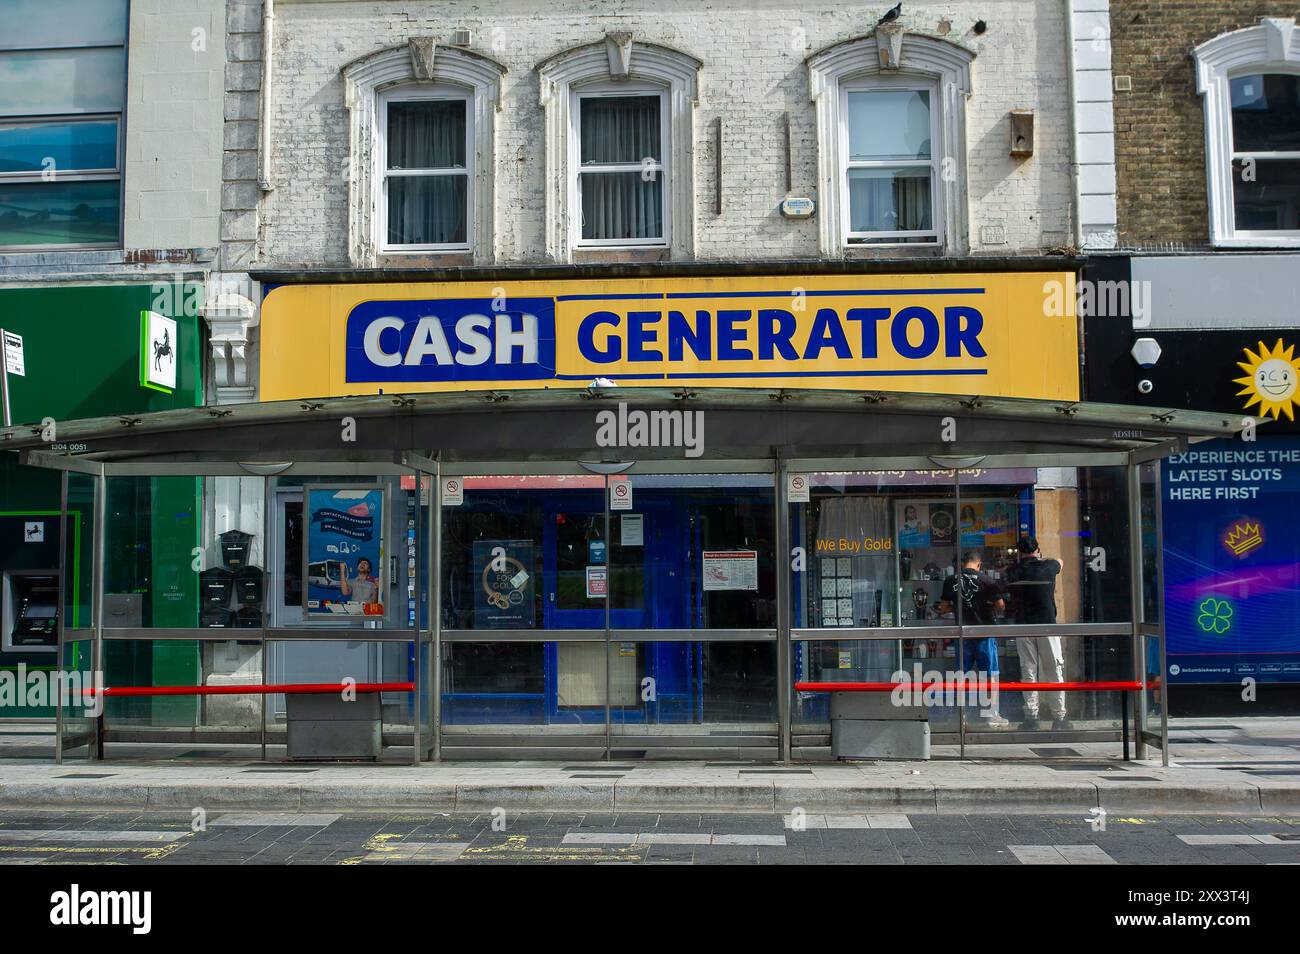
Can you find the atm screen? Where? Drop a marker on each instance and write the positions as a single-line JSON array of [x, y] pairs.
[[35, 614]]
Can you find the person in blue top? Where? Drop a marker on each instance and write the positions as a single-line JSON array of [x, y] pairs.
[[982, 600]]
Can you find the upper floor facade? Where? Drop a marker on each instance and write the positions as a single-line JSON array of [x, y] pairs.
[[402, 135], [1207, 124], [111, 124]]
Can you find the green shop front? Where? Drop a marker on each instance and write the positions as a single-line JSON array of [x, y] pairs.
[[82, 349]]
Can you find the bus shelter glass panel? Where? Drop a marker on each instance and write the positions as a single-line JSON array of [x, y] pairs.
[[342, 552], [79, 710], [1148, 508], [693, 551], [1053, 540], [693, 683], [177, 558], [347, 557], [1064, 658], [141, 662], [502, 696], [879, 553], [522, 553], [331, 661], [524, 556], [1214, 614], [77, 662]]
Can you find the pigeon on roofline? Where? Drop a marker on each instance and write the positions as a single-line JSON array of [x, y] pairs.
[[893, 14]]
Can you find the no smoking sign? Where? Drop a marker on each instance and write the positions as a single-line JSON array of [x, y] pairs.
[[620, 495]]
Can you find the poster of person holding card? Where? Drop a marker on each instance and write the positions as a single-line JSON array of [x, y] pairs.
[[344, 544]]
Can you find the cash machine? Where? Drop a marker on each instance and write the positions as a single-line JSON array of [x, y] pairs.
[[31, 611], [29, 599]]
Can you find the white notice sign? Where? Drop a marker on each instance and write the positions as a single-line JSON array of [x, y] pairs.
[[632, 530], [796, 488], [730, 570], [14, 354]]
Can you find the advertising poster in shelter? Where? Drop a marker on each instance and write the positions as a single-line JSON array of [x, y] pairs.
[[344, 551], [503, 587]]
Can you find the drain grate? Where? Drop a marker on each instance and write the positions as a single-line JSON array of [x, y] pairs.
[[1054, 751], [598, 767], [1271, 772], [599, 775], [1091, 767], [88, 775], [776, 771], [272, 770], [1134, 778]]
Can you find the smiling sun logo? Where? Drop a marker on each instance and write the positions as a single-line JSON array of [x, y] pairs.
[[1272, 378]]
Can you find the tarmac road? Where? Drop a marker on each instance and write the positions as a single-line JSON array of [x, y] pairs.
[[237, 838]]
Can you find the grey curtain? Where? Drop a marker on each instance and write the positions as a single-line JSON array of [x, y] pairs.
[[620, 205], [897, 204], [427, 210]]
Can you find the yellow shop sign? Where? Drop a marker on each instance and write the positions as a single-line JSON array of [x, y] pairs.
[[989, 334]]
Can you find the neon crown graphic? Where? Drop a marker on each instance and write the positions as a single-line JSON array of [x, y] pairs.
[[1243, 537]]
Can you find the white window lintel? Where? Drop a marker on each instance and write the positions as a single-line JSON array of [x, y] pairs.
[[363, 80], [939, 61], [619, 58], [1271, 46]]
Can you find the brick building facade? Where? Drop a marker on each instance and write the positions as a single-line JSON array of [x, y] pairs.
[[1159, 122]]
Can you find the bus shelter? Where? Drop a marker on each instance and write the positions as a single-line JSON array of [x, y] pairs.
[[605, 572]]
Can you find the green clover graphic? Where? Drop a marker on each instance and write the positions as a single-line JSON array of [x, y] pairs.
[[1216, 616]]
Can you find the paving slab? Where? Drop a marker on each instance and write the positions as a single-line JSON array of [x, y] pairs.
[[1251, 767]]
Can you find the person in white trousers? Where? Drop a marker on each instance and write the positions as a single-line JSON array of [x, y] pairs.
[[1032, 583]]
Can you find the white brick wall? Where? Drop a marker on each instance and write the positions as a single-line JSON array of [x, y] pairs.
[[172, 176], [753, 57]]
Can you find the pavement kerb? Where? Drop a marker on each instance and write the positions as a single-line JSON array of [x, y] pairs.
[[668, 796]]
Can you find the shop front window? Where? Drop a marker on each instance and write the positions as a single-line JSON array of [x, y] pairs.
[[689, 556]]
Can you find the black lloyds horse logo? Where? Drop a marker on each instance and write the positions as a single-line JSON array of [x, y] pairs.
[[161, 349]]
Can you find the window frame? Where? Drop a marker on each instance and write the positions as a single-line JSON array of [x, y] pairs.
[[1234, 155], [1271, 46], [920, 59], [606, 89], [859, 84], [424, 92]]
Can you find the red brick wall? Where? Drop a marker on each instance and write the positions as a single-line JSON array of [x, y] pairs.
[[1159, 126]]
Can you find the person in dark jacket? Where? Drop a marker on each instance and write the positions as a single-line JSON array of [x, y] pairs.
[[1032, 586], [981, 599]]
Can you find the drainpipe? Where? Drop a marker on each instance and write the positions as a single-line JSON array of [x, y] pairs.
[[264, 117]]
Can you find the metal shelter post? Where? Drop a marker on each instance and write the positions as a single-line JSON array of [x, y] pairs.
[[97, 604], [609, 558], [268, 521], [434, 564], [1160, 613], [784, 645], [1135, 603], [417, 633], [61, 618], [957, 616]]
